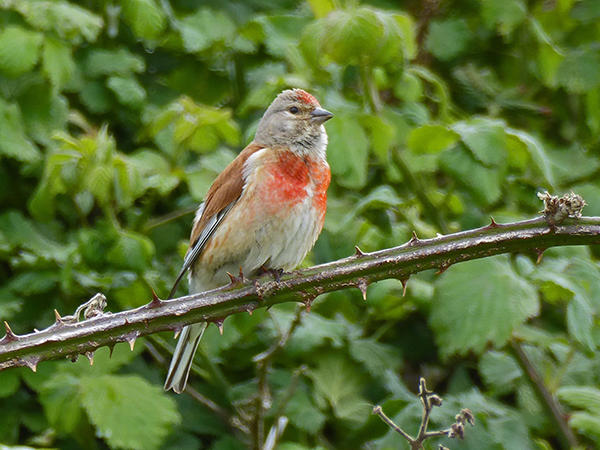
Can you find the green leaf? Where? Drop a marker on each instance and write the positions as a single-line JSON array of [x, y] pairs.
[[500, 371], [483, 182], [588, 424], [10, 304], [364, 36], [506, 14], [58, 64], [112, 62], [20, 232], [19, 50], [128, 90], [375, 356], [321, 8], [144, 17], [303, 414], [580, 321], [447, 38], [204, 28], [62, 405], [127, 411], [13, 141], [9, 382], [67, 20], [431, 139], [479, 302], [582, 397], [337, 380], [132, 251], [348, 151], [536, 152], [579, 72], [485, 138]]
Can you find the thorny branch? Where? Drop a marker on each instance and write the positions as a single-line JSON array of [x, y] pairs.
[[429, 400], [69, 338]]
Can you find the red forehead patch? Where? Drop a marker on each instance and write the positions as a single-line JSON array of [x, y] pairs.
[[305, 97]]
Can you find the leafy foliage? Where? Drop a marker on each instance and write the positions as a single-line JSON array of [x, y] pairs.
[[115, 117]]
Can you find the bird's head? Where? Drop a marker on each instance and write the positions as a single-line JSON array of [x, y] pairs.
[[295, 120]]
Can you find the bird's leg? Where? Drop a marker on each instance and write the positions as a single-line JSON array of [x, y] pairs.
[[275, 273]]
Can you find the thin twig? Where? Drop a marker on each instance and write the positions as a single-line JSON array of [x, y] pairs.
[[378, 411], [263, 363], [565, 434]]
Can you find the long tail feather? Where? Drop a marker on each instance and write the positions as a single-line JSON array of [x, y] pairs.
[[183, 356]]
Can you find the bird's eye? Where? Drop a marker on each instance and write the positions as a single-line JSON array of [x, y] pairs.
[[294, 110]]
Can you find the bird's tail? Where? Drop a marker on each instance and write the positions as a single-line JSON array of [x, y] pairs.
[[183, 357]]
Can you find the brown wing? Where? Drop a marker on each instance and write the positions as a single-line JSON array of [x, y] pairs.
[[222, 195], [226, 189]]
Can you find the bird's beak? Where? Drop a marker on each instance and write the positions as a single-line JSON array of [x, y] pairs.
[[320, 115]]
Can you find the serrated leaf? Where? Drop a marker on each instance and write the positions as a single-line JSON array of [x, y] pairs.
[[579, 72], [348, 151], [68, 20], [337, 380], [506, 14], [588, 424], [303, 414], [60, 397], [580, 321], [113, 62], [480, 302], [485, 138], [127, 411], [447, 38], [19, 50], [204, 28], [58, 64], [431, 139], [144, 17], [131, 251], [499, 370], [375, 356], [483, 182], [13, 141], [128, 90]]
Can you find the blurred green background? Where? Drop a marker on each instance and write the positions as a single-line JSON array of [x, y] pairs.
[[115, 117]]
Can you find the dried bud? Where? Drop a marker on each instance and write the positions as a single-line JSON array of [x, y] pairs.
[[468, 416], [435, 400]]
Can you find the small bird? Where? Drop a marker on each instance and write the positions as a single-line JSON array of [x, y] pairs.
[[263, 212]]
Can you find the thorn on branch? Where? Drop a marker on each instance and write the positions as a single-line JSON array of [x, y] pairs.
[[176, 332], [10, 336], [31, 362], [57, 319], [540, 254], [219, 323], [493, 223], [404, 282], [90, 357], [556, 209], [130, 338], [111, 347], [358, 252], [414, 240], [156, 302], [307, 299], [443, 267], [362, 287]]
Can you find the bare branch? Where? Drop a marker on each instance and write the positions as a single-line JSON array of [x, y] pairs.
[[66, 340]]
